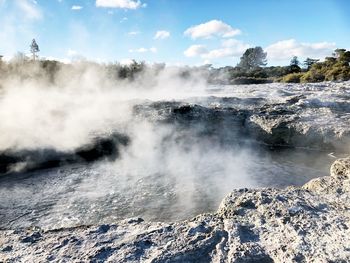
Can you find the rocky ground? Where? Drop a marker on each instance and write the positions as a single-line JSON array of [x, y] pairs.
[[307, 224]]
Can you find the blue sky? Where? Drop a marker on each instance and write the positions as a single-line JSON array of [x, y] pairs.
[[174, 31]]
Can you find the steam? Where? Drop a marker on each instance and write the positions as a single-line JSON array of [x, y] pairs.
[[165, 173], [155, 181], [82, 101]]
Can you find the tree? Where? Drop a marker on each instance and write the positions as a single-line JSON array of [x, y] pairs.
[[339, 52], [342, 55], [294, 65], [253, 58], [294, 61], [34, 48], [309, 62], [346, 57]]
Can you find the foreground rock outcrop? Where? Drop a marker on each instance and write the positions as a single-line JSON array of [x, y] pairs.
[[308, 224]]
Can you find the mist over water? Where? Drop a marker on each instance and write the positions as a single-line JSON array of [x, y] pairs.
[[181, 160]]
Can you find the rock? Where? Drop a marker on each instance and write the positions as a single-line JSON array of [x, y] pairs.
[[307, 224], [34, 237], [7, 249], [107, 146], [341, 168], [337, 183], [302, 115]]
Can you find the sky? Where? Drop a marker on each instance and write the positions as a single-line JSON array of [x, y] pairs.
[[177, 32]]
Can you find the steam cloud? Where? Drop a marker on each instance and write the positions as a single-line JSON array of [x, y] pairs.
[[164, 173]]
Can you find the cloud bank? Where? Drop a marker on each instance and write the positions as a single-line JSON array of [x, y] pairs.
[[229, 48], [285, 49]]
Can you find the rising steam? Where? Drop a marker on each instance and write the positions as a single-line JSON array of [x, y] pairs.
[[167, 171]]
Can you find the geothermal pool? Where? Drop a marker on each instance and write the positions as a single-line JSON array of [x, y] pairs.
[[106, 192], [183, 155]]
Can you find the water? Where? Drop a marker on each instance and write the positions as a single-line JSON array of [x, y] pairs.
[[181, 161], [103, 193]]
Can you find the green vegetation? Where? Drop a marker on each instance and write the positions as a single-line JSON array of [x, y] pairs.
[[251, 69], [292, 78], [253, 58], [335, 68]]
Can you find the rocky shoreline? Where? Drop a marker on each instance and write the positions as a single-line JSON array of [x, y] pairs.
[[306, 224]]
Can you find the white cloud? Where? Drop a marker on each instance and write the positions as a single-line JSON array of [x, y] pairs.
[[285, 49], [162, 34], [229, 48], [29, 9], [210, 29], [143, 50], [124, 4], [195, 51], [234, 43], [134, 33], [77, 7], [71, 53], [139, 50], [219, 53]]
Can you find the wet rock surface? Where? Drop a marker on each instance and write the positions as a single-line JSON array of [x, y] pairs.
[[105, 147], [296, 224]]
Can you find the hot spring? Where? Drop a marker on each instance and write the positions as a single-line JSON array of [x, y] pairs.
[[87, 153]]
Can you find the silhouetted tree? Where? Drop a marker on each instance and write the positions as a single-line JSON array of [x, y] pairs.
[[34, 48], [253, 58], [294, 65], [294, 61], [309, 62]]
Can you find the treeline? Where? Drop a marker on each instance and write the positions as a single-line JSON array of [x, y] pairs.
[[334, 68], [251, 69], [25, 68]]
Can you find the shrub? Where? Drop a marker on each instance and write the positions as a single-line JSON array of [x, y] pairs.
[[249, 80], [292, 78], [312, 76]]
